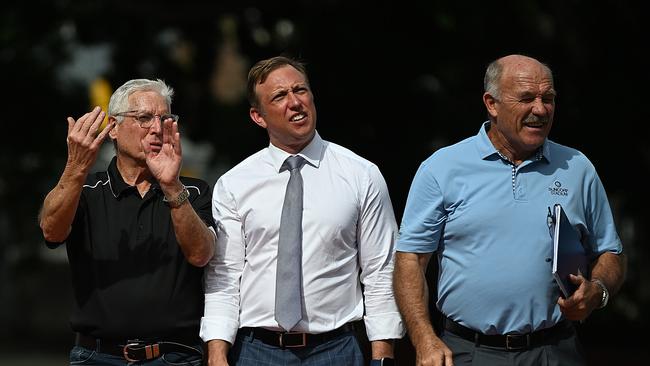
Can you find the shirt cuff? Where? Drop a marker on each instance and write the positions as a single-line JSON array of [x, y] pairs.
[[384, 326], [218, 328]]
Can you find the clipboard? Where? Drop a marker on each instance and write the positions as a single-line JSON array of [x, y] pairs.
[[569, 256]]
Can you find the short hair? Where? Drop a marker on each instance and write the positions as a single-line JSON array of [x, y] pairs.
[[493, 75], [261, 70], [119, 101]]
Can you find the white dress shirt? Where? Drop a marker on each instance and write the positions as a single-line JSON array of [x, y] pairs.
[[349, 232]]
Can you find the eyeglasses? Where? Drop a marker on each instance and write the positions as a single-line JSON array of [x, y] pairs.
[[146, 120]]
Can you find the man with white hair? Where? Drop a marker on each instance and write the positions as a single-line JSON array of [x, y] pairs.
[[137, 234]]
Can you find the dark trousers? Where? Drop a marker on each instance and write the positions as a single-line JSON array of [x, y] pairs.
[[343, 350], [564, 350]]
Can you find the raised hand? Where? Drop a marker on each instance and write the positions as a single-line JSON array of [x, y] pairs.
[[165, 162], [84, 141]]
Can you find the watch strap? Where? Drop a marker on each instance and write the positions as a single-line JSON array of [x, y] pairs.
[[386, 361], [605, 293], [178, 200]]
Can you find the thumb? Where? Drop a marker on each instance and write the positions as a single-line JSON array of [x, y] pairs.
[[576, 280]]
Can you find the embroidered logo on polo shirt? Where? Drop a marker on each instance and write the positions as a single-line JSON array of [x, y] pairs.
[[557, 190]]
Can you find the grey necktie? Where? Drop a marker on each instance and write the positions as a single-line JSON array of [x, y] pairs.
[[288, 281]]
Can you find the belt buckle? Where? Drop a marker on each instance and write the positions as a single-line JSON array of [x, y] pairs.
[[125, 350], [151, 350], [303, 344], [511, 337]]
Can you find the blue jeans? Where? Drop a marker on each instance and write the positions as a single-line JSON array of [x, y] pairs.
[[343, 350], [84, 356]]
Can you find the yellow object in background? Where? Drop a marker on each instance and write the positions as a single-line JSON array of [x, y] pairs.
[[99, 94]]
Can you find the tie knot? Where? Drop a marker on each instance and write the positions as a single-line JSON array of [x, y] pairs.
[[294, 162]]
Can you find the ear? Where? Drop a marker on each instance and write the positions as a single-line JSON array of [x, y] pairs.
[[490, 103], [257, 117], [113, 132]]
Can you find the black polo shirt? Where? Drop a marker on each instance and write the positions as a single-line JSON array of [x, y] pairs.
[[130, 277]]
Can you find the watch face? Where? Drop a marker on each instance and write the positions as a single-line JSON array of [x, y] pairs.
[[388, 362]]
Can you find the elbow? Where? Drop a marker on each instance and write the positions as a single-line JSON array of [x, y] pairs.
[[201, 258], [199, 253], [50, 234]]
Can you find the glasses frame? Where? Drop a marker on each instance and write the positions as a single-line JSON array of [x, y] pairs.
[[135, 114]]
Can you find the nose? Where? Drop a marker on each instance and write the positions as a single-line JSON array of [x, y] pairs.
[[539, 108], [293, 100], [156, 126]]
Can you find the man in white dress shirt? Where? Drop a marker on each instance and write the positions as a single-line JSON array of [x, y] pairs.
[[348, 237]]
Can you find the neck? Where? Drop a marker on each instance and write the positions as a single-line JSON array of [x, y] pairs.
[[506, 149], [135, 174]]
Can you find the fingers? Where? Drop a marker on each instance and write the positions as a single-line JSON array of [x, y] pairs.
[[96, 123], [90, 120], [576, 280], [71, 123], [167, 129], [449, 361], [171, 135], [86, 125], [102, 135], [176, 139], [75, 126]]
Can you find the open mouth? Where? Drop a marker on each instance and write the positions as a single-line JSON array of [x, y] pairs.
[[298, 117]]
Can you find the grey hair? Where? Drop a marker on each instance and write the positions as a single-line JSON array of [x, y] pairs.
[[120, 99], [493, 75], [491, 79]]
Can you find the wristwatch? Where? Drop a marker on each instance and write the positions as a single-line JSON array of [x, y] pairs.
[[182, 197], [382, 362], [605, 297]]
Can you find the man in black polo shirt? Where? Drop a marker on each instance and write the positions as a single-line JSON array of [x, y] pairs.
[[137, 234]]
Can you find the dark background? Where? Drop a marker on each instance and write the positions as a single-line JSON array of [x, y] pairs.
[[393, 80]]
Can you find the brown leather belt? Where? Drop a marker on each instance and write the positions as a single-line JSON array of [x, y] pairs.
[[137, 350], [294, 339], [510, 342]]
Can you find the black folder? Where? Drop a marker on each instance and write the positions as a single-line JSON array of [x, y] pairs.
[[569, 256]]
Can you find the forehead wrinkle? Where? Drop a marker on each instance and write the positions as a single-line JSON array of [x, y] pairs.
[[144, 104]]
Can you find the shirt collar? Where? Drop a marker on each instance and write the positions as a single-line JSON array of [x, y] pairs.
[[313, 153], [486, 149], [117, 183]]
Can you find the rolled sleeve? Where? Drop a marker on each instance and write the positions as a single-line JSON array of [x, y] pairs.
[[223, 273], [216, 326], [377, 232]]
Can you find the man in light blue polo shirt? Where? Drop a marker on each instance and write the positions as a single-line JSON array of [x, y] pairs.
[[482, 205]]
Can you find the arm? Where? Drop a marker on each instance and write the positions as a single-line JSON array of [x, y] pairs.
[[411, 293], [220, 321], [376, 233], [382, 349], [60, 204], [610, 265], [609, 268], [218, 352], [195, 239]]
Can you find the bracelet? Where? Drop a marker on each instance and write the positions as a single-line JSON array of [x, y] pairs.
[[605, 297], [176, 202]]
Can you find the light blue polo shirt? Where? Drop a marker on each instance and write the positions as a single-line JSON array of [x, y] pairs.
[[488, 222]]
